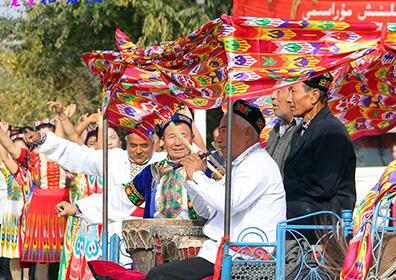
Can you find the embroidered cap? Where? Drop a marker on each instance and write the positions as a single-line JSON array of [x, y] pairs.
[[17, 136], [321, 82], [46, 121], [177, 118], [250, 113]]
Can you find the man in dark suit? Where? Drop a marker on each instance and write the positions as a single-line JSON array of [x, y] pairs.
[[319, 172]]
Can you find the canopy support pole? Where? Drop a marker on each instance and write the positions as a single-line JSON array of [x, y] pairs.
[[226, 271], [105, 232]]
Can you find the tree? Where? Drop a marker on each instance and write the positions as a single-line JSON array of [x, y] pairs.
[[41, 60]]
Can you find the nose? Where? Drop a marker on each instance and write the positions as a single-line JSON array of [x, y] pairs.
[[218, 139], [139, 150], [274, 94], [289, 97], [177, 142]]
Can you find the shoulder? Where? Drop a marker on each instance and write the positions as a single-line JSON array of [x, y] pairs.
[[157, 157], [259, 163], [118, 152], [329, 124]]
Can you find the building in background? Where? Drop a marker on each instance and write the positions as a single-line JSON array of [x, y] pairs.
[[345, 10]]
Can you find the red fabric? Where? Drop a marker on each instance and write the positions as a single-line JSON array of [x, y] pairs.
[[219, 259], [43, 234], [139, 212], [115, 271]]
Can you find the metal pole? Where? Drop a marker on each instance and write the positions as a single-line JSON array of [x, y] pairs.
[[105, 231], [227, 209], [227, 261]]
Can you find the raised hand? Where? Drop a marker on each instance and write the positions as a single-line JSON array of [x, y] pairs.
[[93, 118], [193, 163], [56, 107], [70, 110], [4, 126], [82, 118]]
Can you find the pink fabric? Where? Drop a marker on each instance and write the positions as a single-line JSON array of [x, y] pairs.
[[115, 271]]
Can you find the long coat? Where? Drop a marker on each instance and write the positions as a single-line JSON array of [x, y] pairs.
[[320, 168]]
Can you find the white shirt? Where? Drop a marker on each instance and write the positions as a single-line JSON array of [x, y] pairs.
[[81, 159], [257, 199]]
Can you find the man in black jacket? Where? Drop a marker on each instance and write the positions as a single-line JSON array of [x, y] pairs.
[[319, 172]]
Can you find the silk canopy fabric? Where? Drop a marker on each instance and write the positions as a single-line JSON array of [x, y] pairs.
[[248, 58]]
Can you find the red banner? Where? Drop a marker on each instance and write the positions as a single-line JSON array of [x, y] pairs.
[[351, 10]]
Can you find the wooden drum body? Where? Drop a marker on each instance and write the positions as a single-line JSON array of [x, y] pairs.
[[152, 242]]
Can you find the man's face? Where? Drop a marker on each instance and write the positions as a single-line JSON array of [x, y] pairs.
[[173, 145], [139, 150], [221, 139], [299, 100], [279, 103]]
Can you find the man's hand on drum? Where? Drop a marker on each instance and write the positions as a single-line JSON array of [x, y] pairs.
[[193, 163], [64, 208]]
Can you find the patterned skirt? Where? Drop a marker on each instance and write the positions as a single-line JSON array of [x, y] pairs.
[[10, 229], [43, 231], [82, 245]]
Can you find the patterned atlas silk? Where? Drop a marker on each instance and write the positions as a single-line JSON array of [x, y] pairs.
[[171, 184], [10, 227], [44, 185], [359, 253], [81, 240], [248, 58]]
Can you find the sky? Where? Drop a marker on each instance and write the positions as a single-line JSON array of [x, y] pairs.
[[6, 11]]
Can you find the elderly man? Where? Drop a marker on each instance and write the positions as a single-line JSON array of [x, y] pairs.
[[319, 172], [278, 145], [161, 185], [258, 197]]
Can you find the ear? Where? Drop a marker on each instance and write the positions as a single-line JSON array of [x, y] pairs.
[[247, 133], [315, 96]]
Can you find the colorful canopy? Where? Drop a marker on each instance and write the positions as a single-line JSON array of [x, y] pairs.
[[248, 58], [359, 253]]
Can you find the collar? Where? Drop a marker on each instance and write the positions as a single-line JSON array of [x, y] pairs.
[[246, 153], [324, 111], [282, 125], [132, 162]]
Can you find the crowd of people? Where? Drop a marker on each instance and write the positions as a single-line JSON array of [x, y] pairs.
[[52, 180]]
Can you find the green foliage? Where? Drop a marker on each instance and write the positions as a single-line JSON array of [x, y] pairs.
[[40, 53]]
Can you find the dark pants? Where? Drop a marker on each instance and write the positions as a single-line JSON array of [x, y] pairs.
[[5, 272], [53, 270], [190, 269]]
